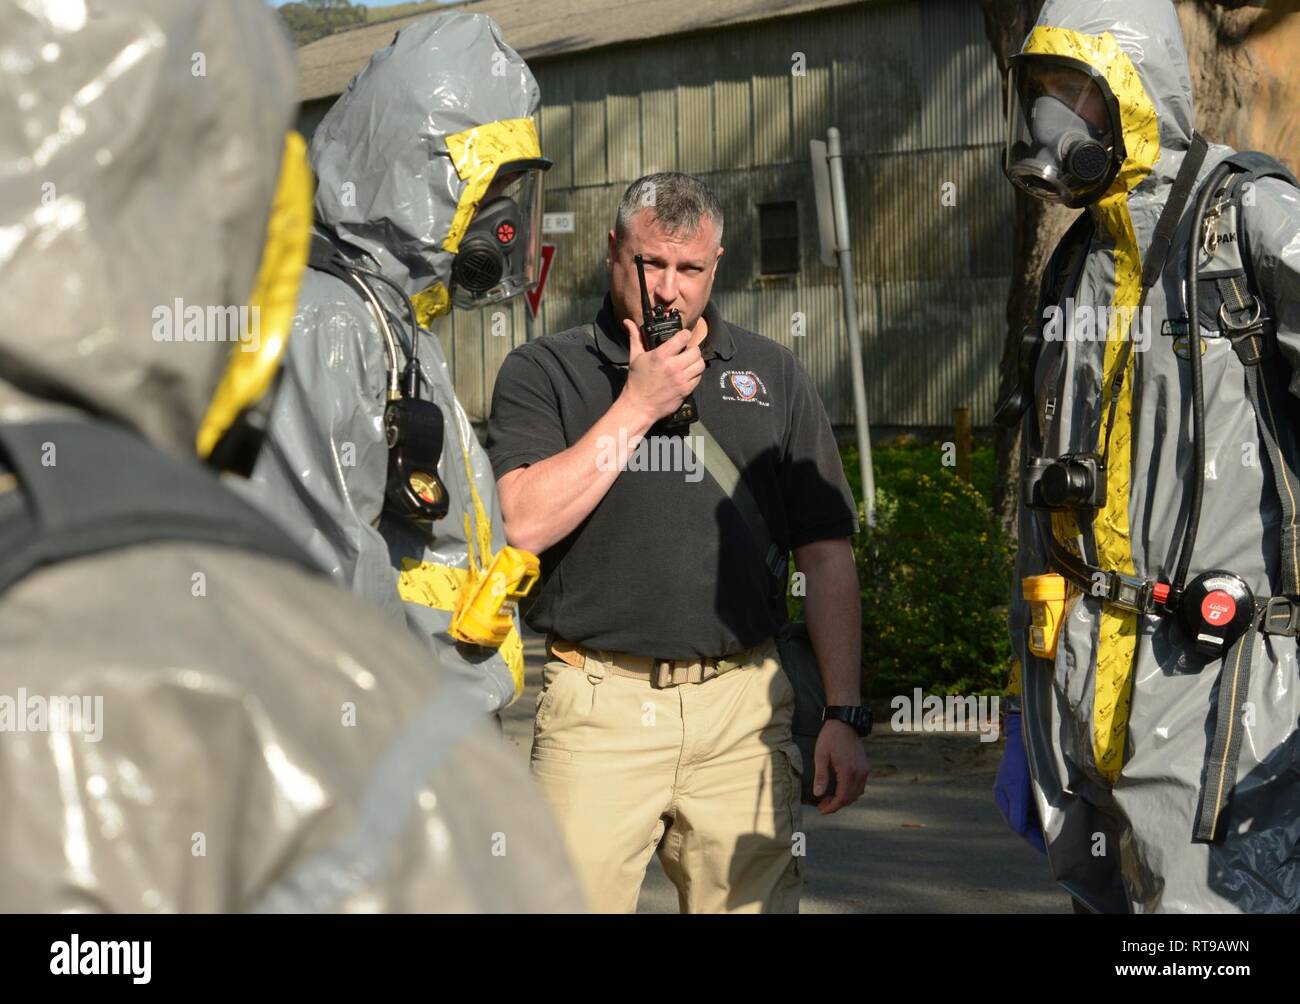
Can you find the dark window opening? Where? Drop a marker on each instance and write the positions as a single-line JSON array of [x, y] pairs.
[[778, 238]]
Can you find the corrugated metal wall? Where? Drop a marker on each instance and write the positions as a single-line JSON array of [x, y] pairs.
[[914, 90]]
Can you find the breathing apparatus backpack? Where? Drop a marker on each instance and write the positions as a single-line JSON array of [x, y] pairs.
[[1216, 611]]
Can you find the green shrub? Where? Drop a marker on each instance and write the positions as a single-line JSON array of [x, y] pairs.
[[904, 454], [935, 573]]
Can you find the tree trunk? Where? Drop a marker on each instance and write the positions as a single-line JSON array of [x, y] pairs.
[[1036, 227], [1245, 78], [1245, 83]]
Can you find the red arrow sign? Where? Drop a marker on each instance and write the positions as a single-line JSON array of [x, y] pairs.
[[534, 295]]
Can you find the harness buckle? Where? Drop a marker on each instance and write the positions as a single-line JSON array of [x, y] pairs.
[[1209, 239], [1129, 592], [1226, 323], [1281, 616]]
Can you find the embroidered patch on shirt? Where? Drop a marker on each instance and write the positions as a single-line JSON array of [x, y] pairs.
[[743, 385]]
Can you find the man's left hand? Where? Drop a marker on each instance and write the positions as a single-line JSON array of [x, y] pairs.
[[839, 752]]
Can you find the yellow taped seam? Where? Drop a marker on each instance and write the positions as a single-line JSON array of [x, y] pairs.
[[432, 301], [255, 359], [440, 587], [1117, 633], [431, 585], [1137, 113], [476, 154]]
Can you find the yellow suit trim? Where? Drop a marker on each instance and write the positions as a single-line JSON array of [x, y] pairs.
[[1117, 636]]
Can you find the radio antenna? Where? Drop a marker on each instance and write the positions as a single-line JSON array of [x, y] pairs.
[[647, 312]]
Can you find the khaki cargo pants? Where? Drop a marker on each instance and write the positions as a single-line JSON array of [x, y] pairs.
[[633, 757]]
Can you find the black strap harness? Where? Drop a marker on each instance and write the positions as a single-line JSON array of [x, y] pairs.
[[414, 428], [1239, 313], [1123, 590], [1242, 319], [72, 488], [1229, 305]]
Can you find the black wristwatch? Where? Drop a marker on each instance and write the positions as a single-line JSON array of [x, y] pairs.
[[858, 718]]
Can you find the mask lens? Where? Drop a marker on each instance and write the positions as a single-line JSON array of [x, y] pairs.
[[1061, 144], [499, 253]]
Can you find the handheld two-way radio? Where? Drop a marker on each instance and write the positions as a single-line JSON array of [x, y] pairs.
[[658, 325], [413, 429]]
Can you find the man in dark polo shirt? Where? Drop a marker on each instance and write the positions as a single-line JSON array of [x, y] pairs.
[[664, 719]]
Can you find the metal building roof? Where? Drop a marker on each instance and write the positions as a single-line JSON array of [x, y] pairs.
[[542, 28]]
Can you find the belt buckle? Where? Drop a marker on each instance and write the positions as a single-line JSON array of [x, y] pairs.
[[1292, 615], [665, 673], [661, 674]]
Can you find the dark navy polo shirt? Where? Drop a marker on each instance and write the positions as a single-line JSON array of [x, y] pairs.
[[664, 565]]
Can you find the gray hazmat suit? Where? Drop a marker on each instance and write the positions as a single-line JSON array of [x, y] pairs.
[[267, 742], [390, 191], [1117, 728]]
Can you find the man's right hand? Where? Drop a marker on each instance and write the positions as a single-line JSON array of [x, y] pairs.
[[544, 502], [660, 380]]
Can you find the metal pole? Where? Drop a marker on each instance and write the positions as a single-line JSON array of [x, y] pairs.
[[842, 250]]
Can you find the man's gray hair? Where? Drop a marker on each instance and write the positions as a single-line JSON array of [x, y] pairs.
[[677, 200]]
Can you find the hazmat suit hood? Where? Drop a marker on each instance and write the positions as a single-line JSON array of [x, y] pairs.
[[1138, 48], [1150, 36], [129, 133], [406, 154]]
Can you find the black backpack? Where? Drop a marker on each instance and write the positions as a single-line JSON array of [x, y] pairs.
[[1234, 288]]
